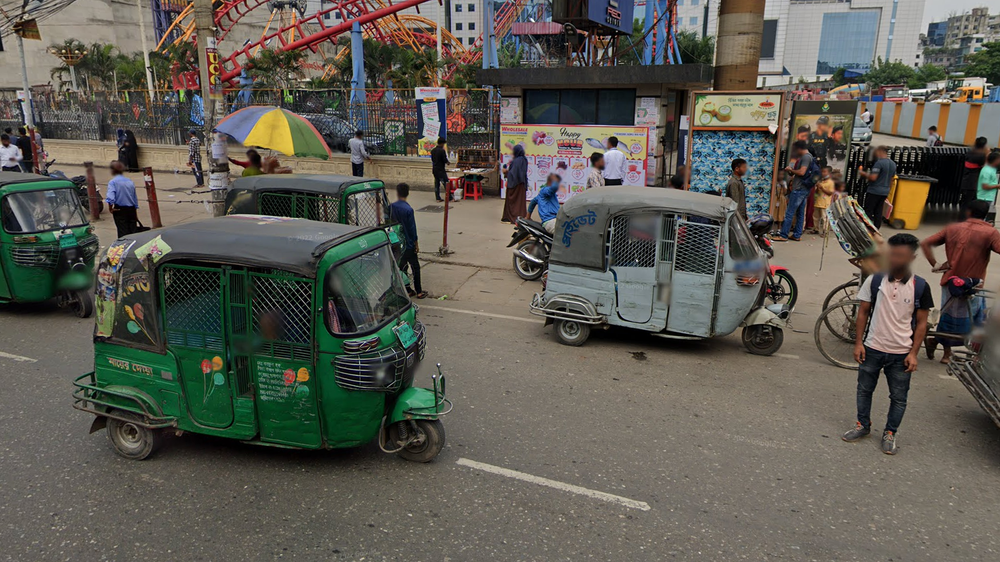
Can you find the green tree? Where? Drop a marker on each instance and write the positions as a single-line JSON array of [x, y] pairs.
[[926, 73], [885, 73], [838, 76], [277, 69], [985, 63], [509, 55], [694, 49]]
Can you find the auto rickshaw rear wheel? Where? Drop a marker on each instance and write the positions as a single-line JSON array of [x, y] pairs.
[[762, 340], [571, 332], [130, 439], [83, 304], [422, 447]]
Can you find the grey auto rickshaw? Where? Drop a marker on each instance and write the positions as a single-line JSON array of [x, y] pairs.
[[679, 264]]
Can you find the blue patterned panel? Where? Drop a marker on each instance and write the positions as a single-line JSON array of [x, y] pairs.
[[712, 153]]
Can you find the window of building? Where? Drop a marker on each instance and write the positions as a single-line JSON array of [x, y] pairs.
[[458, 7], [680, 21], [472, 26], [472, 41], [694, 2], [472, 7], [579, 107], [693, 21], [326, 16], [768, 39], [680, 2], [847, 40], [336, 15], [458, 26]]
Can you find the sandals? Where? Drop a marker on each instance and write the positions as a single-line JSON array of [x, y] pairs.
[[420, 295]]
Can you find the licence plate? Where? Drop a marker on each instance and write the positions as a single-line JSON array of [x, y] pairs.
[[405, 334]]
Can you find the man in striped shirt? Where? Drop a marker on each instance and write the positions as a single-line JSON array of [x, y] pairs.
[[194, 158]]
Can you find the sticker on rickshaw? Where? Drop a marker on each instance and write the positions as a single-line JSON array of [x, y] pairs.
[[405, 335], [154, 250]]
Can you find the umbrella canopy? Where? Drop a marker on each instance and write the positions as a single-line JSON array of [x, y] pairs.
[[276, 129]]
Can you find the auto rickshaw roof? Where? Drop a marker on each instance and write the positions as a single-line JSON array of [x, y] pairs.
[[583, 220], [250, 240], [325, 184], [23, 181]]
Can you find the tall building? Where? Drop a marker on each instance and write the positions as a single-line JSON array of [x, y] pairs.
[[973, 22], [936, 33]]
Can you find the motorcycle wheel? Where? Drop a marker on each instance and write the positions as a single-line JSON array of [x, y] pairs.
[[525, 269], [762, 340], [783, 290]]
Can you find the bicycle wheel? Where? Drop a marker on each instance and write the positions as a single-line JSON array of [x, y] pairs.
[[843, 292], [835, 333]]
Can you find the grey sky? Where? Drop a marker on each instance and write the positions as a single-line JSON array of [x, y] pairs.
[[939, 10]]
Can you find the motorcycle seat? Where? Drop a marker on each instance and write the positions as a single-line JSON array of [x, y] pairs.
[[532, 224]]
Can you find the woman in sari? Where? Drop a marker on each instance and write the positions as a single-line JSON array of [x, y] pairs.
[[516, 204]]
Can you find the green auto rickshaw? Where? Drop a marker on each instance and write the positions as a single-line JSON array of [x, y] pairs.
[[271, 330], [47, 247], [319, 197]]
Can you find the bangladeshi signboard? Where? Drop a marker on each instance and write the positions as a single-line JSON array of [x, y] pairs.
[[734, 110], [566, 150], [431, 118], [613, 14]]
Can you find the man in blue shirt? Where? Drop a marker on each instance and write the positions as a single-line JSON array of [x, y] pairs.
[[547, 202], [122, 200], [402, 213]]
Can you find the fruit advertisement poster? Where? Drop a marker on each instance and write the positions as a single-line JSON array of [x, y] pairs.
[[566, 150], [735, 110]]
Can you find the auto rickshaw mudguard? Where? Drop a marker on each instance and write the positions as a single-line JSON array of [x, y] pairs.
[[763, 317], [415, 403]]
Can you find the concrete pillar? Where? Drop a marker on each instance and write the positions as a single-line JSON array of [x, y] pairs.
[[737, 47]]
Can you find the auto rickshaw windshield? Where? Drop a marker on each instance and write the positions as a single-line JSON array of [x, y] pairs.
[[27, 212], [364, 293], [368, 208]]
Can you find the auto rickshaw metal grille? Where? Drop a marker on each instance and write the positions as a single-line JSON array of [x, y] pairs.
[[90, 246], [281, 308], [192, 304], [368, 208], [697, 247], [386, 370], [325, 208], [35, 255], [631, 243]]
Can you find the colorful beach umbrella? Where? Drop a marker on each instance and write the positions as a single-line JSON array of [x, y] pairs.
[[276, 129]]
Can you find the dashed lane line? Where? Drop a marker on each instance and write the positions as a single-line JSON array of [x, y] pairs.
[[18, 358], [480, 313]]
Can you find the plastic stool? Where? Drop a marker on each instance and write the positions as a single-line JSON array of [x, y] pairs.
[[453, 184], [473, 189]]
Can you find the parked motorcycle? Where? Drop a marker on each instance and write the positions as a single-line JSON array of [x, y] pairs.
[[81, 189], [781, 287], [531, 257]]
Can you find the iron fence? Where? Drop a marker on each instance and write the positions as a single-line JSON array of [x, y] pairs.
[[388, 118]]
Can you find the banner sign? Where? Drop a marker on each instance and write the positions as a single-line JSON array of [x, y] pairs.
[[566, 150], [431, 118], [27, 29], [827, 127], [729, 111], [215, 88]]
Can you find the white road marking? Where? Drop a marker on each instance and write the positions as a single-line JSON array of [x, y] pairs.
[[786, 355], [562, 486], [947, 377], [19, 358], [479, 313]]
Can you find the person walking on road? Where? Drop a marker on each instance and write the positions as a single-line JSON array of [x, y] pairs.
[[975, 159], [402, 213], [10, 155], [596, 176], [803, 172], [614, 163], [547, 202], [988, 179], [736, 189], [879, 182], [122, 201], [933, 138], [968, 246], [27, 155], [358, 154], [516, 204], [866, 116], [439, 160], [891, 325], [194, 158]]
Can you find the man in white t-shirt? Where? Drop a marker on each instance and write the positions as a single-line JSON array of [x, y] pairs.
[[866, 116], [891, 325], [614, 163]]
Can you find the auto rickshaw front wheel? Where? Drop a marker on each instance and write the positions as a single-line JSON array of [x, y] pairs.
[[571, 332], [762, 340], [422, 446], [130, 439], [82, 304]]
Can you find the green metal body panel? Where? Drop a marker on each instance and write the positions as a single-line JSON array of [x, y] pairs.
[[39, 282], [414, 403]]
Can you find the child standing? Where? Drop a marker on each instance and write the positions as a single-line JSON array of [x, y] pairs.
[[402, 213], [824, 191], [839, 191]]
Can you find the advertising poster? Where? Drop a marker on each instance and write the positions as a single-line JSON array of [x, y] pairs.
[[826, 126], [733, 110], [431, 118], [510, 111], [566, 150]]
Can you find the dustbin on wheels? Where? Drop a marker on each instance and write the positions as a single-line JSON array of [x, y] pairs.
[[909, 197]]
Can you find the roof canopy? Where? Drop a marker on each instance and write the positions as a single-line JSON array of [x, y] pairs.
[[13, 178], [325, 184]]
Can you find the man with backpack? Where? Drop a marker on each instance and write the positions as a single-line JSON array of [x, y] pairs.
[[804, 171], [891, 325], [879, 182]]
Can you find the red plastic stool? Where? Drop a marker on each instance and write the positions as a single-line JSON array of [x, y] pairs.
[[473, 189], [453, 184]]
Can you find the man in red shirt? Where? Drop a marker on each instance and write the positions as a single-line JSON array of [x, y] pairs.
[[967, 247]]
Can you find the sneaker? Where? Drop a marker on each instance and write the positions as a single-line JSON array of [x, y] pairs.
[[856, 433], [889, 443]]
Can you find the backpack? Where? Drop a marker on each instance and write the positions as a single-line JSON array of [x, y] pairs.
[[812, 174], [938, 141], [919, 286]]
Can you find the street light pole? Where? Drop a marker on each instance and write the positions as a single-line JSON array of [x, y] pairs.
[[145, 51], [29, 113]]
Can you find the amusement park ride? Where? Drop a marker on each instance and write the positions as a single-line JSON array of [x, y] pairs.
[[290, 28]]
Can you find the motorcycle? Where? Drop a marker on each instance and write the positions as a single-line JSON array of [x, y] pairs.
[[80, 182], [531, 257], [780, 286]]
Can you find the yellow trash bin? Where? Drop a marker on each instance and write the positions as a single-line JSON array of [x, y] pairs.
[[909, 197]]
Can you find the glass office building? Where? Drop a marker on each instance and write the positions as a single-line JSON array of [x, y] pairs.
[[847, 40]]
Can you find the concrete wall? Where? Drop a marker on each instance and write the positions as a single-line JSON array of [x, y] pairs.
[[164, 158], [957, 123]]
